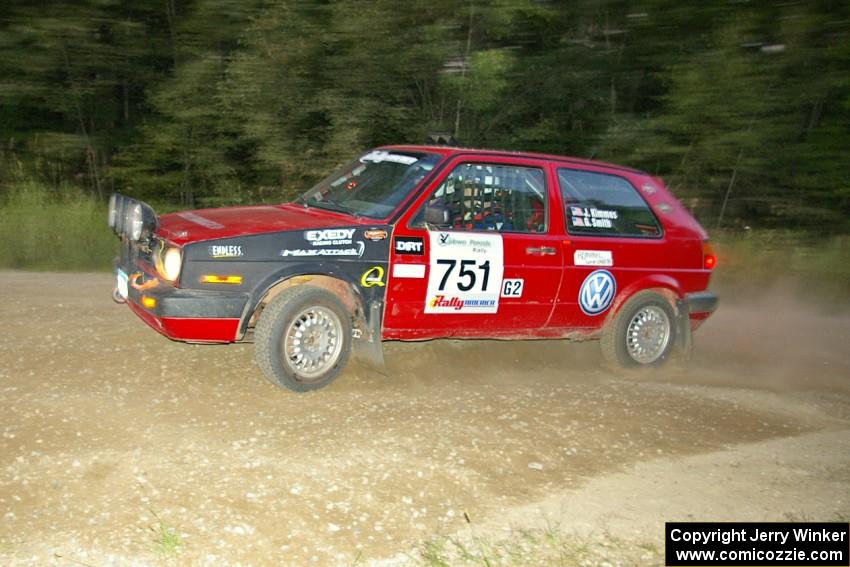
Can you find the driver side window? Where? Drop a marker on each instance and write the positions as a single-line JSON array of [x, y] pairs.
[[485, 197]]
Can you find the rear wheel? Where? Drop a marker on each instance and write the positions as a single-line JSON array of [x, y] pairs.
[[303, 338], [642, 333]]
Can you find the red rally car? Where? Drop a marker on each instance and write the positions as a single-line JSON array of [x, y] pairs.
[[421, 242]]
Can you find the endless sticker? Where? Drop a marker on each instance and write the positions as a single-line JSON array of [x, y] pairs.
[[228, 251]]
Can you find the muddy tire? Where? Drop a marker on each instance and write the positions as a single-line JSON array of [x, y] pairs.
[[303, 338], [642, 334]]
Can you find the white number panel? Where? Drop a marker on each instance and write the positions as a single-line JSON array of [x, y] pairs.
[[512, 288], [465, 273]]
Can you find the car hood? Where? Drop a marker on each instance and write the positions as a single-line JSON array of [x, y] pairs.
[[187, 227]]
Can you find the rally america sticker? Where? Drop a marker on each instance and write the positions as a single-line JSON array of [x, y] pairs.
[[465, 274]]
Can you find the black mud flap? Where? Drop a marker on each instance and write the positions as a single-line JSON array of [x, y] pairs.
[[368, 349], [684, 339]]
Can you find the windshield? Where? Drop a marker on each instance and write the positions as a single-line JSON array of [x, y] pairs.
[[373, 185]]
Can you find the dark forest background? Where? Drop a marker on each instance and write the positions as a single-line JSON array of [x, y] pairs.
[[742, 107]]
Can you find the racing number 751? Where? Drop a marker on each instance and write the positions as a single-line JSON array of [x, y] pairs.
[[465, 273]]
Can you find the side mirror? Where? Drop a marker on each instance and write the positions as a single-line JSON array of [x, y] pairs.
[[437, 215]]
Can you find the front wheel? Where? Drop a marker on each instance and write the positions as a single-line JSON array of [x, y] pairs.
[[303, 338], [642, 333]]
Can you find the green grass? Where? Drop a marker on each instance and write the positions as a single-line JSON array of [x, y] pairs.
[[53, 229], [750, 262], [64, 229], [539, 546], [167, 541]]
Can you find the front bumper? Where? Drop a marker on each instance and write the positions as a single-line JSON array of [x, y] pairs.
[[185, 314]]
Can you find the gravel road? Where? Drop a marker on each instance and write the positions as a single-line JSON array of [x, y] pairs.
[[111, 432]]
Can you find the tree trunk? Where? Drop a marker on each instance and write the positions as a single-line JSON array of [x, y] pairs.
[[729, 188], [463, 74]]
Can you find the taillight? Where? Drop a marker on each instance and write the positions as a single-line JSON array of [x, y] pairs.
[[709, 260]]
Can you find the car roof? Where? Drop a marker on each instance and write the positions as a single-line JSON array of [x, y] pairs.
[[450, 151]]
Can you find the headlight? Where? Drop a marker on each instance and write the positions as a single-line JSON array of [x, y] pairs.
[[172, 260], [126, 216], [112, 211], [120, 205], [136, 222]]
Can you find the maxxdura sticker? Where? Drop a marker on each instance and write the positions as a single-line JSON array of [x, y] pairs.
[[465, 273], [357, 250], [593, 258], [372, 277], [597, 292], [409, 245]]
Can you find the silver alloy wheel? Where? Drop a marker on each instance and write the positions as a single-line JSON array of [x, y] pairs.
[[648, 334], [312, 343]]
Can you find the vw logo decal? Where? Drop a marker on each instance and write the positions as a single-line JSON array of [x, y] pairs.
[[597, 292]]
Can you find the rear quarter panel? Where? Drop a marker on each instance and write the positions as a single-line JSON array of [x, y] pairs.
[[671, 262]]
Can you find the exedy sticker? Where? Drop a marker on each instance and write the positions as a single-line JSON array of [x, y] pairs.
[[330, 236], [326, 241]]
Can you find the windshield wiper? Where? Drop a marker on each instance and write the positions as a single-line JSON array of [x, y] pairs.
[[330, 204], [301, 200]]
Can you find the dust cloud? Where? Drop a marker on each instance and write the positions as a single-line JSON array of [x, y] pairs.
[[775, 341]]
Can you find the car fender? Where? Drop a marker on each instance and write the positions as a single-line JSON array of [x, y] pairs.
[[664, 284], [330, 270]]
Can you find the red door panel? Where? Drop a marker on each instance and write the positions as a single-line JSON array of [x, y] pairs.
[[458, 282]]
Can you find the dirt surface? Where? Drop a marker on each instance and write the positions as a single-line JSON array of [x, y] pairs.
[[110, 431]]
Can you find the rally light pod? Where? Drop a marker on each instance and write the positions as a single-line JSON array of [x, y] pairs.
[[143, 221], [131, 218]]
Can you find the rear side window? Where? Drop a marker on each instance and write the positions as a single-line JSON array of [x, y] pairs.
[[605, 205]]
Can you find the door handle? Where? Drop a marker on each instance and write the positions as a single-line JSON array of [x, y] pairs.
[[540, 250]]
